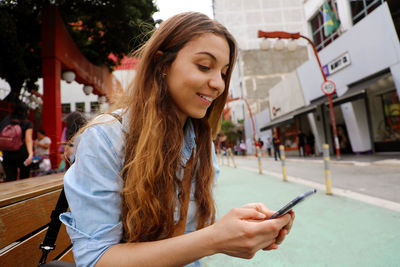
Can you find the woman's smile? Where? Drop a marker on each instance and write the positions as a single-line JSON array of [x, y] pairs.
[[207, 100]]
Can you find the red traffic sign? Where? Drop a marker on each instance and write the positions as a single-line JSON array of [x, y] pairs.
[[328, 87]]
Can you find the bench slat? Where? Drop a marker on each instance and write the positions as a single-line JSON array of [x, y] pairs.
[[22, 218], [67, 256], [27, 253], [12, 192]]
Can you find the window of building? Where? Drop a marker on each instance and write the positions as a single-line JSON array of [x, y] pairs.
[[317, 26], [361, 8], [386, 119], [94, 107], [66, 108], [80, 107], [384, 106]]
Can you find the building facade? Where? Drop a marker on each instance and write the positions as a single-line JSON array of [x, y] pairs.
[[362, 57], [256, 70]]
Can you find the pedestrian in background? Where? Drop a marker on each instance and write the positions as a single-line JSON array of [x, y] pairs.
[[41, 163], [144, 174], [311, 143], [243, 148], [42, 144], [301, 142], [73, 123], [19, 161], [260, 143], [269, 146], [276, 142]]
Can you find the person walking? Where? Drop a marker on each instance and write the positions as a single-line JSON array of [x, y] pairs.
[[18, 161], [141, 187], [301, 142], [269, 146], [276, 143]]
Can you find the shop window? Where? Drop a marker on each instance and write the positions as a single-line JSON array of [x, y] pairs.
[[385, 112], [361, 8], [80, 107], [289, 135], [317, 26], [66, 108]]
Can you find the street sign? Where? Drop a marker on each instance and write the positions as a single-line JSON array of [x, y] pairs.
[[328, 87]]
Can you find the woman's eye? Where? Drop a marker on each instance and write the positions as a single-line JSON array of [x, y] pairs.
[[223, 75], [203, 67]]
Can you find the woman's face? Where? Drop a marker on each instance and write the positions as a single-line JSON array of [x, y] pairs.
[[196, 77]]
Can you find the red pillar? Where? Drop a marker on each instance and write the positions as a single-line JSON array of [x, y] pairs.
[[51, 110]]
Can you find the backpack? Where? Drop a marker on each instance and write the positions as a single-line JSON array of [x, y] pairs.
[[11, 137]]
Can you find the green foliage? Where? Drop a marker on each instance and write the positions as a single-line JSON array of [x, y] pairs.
[[228, 129], [98, 27]]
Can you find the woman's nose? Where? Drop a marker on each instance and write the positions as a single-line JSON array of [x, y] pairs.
[[217, 82]]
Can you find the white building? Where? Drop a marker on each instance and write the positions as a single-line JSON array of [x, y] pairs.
[[363, 59], [257, 71]]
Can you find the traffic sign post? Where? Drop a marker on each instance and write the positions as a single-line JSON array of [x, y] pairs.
[[329, 88]]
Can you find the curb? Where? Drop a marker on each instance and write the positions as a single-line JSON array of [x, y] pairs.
[[374, 201], [379, 163]]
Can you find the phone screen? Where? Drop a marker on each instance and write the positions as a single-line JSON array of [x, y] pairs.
[[292, 203]]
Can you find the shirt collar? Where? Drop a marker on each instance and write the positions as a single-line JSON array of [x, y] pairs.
[[188, 141]]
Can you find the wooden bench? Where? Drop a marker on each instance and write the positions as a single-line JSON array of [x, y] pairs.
[[25, 208]]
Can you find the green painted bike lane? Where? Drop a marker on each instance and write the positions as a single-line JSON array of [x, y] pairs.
[[327, 231]]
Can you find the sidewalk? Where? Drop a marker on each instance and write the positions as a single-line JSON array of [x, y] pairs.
[[379, 159], [328, 230]]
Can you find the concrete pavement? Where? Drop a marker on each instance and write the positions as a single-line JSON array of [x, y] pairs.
[[369, 180], [328, 230]]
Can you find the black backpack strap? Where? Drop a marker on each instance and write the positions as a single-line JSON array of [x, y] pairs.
[[49, 242]]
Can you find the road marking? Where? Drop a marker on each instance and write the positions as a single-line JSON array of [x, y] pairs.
[[387, 204]]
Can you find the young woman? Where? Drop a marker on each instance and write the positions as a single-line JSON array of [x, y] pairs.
[[140, 182]]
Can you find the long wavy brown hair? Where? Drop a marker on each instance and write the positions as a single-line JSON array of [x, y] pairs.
[[155, 137]]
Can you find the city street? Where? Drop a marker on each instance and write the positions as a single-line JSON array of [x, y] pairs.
[[374, 176], [329, 230]]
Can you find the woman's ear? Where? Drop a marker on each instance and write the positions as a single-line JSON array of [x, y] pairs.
[[158, 53], [160, 67]]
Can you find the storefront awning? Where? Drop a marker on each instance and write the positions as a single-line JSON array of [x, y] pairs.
[[289, 116], [274, 123], [357, 91]]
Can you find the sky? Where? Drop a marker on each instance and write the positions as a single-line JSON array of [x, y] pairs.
[[168, 8]]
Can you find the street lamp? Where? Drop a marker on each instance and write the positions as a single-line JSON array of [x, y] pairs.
[[68, 76], [328, 87], [87, 89]]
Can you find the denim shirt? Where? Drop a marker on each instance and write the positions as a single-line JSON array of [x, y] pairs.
[[93, 187]]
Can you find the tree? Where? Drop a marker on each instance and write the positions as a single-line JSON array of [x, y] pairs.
[[228, 129], [98, 27]]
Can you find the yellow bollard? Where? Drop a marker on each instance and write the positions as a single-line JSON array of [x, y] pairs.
[[232, 158], [328, 182], [259, 160], [283, 161]]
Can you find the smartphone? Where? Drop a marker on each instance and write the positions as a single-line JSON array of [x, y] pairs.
[[292, 203]]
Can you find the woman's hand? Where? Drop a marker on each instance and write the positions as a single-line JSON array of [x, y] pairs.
[[283, 232], [244, 231]]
